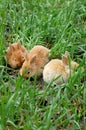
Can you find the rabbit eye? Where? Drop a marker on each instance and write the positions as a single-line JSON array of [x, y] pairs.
[[28, 72]]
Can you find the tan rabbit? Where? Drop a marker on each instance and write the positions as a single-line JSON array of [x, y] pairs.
[[15, 54], [35, 61], [58, 69]]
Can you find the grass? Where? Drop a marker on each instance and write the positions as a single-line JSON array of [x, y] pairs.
[[59, 25]]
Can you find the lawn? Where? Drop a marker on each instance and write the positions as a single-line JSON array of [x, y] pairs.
[[59, 25]]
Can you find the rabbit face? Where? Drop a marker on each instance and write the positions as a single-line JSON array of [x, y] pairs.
[[29, 67], [15, 59], [35, 61], [15, 55]]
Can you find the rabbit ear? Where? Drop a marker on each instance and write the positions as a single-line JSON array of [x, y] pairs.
[[19, 41], [25, 56], [23, 49], [33, 59], [18, 44], [12, 47], [67, 54], [65, 60], [8, 51]]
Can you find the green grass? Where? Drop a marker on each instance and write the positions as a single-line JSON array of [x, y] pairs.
[[59, 25]]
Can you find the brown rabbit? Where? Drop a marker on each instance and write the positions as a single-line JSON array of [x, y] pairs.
[[35, 61], [15, 54], [58, 69]]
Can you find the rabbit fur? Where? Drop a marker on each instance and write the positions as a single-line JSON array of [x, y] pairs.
[[35, 61], [15, 54], [58, 69]]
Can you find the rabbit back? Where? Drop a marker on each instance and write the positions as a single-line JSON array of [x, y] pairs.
[[55, 69]]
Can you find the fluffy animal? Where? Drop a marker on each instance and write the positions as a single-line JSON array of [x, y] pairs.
[[15, 54], [59, 70], [35, 61]]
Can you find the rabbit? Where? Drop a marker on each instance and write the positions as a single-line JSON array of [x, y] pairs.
[[15, 54], [73, 64], [58, 70], [35, 61]]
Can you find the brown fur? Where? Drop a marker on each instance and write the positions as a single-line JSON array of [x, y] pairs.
[[35, 61], [54, 69], [15, 54], [57, 68]]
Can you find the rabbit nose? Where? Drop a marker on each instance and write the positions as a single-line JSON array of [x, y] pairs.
[[26, 76]]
